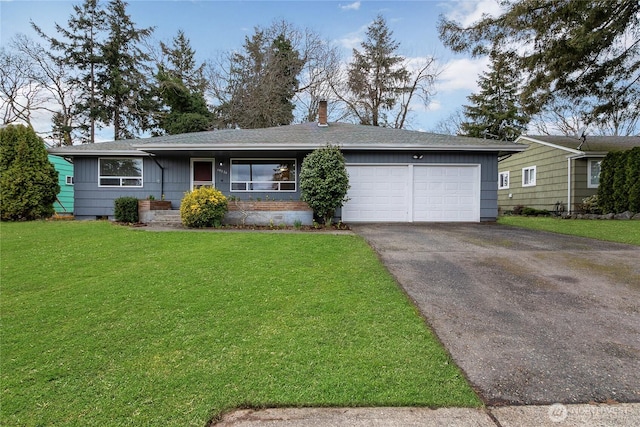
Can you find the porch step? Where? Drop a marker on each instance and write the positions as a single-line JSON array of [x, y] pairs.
[[167, 218]]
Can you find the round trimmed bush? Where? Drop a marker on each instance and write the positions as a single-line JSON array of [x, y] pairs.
[[203, 207]]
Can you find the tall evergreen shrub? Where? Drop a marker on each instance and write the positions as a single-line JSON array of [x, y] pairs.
[[28, 180], [605, 188], [633, 179], [324, 181], [620, 192]]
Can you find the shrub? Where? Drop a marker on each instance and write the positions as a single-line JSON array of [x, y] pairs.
[[517, 209], [534, 212], [324, 181], [633, 179], [203, 207], [590, 205], [619, 188], [126, 209], [28, 180]]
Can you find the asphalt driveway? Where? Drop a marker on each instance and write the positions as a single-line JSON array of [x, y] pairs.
[[530, 317]]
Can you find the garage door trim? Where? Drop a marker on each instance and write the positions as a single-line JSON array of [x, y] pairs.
[[410, 186]]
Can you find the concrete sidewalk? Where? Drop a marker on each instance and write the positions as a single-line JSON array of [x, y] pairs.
[[557, 415]]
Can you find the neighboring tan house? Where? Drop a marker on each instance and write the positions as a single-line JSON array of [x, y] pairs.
[[395, 175], [555, 172], [64, 201]]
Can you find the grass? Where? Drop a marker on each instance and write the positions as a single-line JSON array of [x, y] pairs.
[[105, 325], [609, 230]]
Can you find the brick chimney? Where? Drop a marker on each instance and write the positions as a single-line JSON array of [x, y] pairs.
[[322, 113]]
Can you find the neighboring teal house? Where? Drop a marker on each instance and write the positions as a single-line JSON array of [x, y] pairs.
[[64, 204]]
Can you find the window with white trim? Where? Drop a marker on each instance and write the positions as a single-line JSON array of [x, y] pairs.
[[529, 176], [503, 180], [69, 180], [593, 173], [263, 175], [120, 172]]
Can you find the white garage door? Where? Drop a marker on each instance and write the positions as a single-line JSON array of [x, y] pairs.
[[413, 193]]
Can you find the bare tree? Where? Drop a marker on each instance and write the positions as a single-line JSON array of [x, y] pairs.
[[20, 93], [450, 125], [58, 91]]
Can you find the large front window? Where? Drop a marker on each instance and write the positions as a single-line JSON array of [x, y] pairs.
[[263, 175], [120, 172]]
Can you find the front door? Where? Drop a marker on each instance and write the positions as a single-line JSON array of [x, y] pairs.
[[202, 173]]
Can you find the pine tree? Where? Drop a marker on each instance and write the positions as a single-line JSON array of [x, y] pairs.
[[126, 100], [81, 49], [495, 111], [179, 62], [262, 83], [376, 76], [180, 85], [568, 49]]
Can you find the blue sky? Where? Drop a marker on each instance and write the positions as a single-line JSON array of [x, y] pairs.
[[219, 26]]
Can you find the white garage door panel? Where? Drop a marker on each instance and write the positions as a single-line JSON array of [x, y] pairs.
[[377, 193], [453, 193], [413, 193]]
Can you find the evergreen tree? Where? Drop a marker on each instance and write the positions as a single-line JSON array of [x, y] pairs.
[[495, 111], [180, 87], [262, 82], [126, 99], [569, 49], [185, 111], [81, 49], [376, 76], [28, 181], [179, 62], [605, 186], [324, 181], [633, 179]]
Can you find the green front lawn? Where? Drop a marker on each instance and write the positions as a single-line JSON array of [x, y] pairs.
[[105, 325], [610, 230]]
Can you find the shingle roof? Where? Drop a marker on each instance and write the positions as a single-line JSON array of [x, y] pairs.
[[591, 144], [299, 136]]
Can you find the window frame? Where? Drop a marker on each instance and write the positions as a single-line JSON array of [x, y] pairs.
[[589, 176], [247, 183], [121, 178], [532, 182], [501, 185], [68, 180]]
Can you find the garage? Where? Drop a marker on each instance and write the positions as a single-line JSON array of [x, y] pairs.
[[413, 193]]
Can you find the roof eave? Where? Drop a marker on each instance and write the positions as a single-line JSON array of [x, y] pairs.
[[93, 153], [400, 147]]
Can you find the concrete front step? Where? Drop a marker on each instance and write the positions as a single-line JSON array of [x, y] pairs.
[[166, 217]]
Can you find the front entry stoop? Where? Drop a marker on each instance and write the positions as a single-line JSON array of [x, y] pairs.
[[165, 218]]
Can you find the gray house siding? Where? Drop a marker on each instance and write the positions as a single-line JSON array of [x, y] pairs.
[[173, 180]]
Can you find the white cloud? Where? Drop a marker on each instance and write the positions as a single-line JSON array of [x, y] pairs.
[[467, 12], [351, 6], [461, 74]]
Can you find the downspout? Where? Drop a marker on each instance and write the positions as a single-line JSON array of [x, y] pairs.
[[161, 177], [569, 185]]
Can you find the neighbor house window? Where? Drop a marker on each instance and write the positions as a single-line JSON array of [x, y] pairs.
[[529, 176], [69, 180], [120, 172], [503, 180], [263, 175], [594, 173]]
